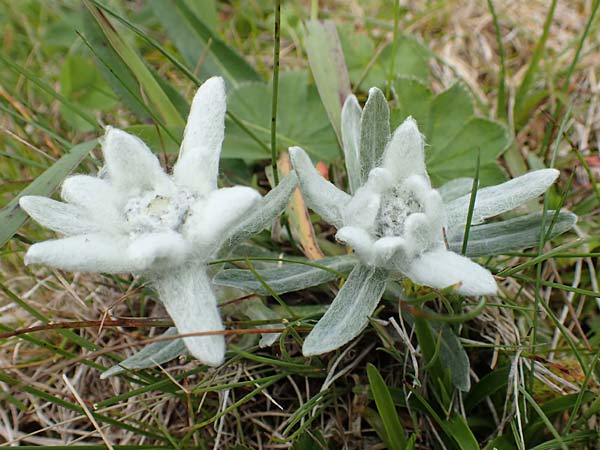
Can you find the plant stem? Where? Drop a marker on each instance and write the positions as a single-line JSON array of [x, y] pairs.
[[275, 91]]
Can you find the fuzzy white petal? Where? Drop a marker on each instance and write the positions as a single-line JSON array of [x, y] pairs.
[[98, 197], [435, 212], [441, 269], [363, 208], [360, 241], [156, 251], [131, 165], [61, 217], [419, 232], [321, 196], [190, 301], [380, 180], [388, 248], [197, 167], [211, 217], [404, 155], [494, 200], [351, 113], [84, 253]]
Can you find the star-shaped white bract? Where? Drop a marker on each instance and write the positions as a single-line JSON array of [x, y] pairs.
[[136, 218], [395, 221]]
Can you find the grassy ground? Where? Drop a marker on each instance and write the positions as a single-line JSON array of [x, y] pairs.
[[544, 323]]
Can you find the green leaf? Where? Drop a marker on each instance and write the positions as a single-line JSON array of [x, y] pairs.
[[349, 312], [328, 67], [413, 99], [301, 120], [157, 96], [430, 343], [312, 440], [287, 277], [455, 426], [83, 85], [12, 217], [113, 68], [497, 238], [151, 355], [452, 131], [487, 385], [200, 47], [396, 436], [501, 443], [457, 158], [454, 358], [368, 68], [442, 126], [374, 131], [50, 90], [459, 430]]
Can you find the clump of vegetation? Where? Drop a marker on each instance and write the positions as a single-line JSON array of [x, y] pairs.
[[498, 92]]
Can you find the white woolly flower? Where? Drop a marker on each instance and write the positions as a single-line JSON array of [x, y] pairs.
[[136, 218], [395, 221]]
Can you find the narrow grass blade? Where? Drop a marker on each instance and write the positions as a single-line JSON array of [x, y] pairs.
[[203, 50], [12, 217], [275, 91], [525, 86], [50, 90], [144, 76], [471, 205], [387, 411]]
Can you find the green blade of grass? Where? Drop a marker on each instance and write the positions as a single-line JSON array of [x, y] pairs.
[[25, 387], [50, 91], [12, 217], [387, 411], [471, 204], [155, 93], [544, 418], [525, 86], [199, 45]]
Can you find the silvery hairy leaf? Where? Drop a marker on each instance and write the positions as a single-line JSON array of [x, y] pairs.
[[322, 196], [494, 200], [261, 217], [348, 315], [455, 189], [288, 277], [151, 355], [510, 235], [374, 131], [351, 114]]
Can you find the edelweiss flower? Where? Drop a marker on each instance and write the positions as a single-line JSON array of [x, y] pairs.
[[135, 218], [396, 221]]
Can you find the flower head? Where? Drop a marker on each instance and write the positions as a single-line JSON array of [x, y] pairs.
[[395, 221], [134, 217]]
